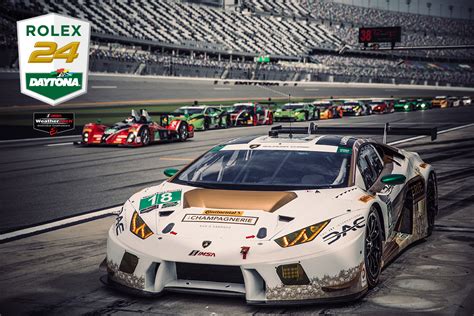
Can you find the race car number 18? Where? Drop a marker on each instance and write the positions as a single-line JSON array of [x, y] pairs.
[[160, 198]]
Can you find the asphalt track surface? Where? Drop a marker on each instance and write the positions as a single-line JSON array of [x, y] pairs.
[[112, 90], [56, 273], [45, 180]]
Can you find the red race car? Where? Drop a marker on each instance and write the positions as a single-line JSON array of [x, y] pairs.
[[382, 106], [137, 130]]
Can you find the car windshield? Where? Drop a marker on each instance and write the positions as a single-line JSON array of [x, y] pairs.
[[188, 111], [351, 103], [322, 106], [267, 170], [239, 108], [292, 107]]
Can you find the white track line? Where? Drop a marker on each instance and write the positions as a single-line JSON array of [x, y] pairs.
[[36, 139], [63, 222], [59, 144], [104, 87], [89, 216]]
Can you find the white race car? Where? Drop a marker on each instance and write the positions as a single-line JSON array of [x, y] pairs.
[[277, 219]]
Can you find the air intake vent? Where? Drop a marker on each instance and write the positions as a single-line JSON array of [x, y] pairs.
[[209, 272]]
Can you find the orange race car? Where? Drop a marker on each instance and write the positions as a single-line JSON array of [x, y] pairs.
[[327, 109]]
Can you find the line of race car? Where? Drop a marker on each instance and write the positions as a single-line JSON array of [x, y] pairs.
[[139, 129]]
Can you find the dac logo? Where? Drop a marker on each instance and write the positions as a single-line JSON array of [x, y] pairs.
[[54, 57]]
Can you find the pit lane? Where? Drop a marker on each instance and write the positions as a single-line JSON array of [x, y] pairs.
[[60, 268]]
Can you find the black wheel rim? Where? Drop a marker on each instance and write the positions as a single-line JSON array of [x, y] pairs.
[[432, 202], [145, 137], [183, 133], [373, 247]]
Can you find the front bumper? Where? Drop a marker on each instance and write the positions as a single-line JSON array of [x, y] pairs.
[[334, 275]]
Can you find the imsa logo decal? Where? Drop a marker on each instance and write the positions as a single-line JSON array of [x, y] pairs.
[[336, 235]]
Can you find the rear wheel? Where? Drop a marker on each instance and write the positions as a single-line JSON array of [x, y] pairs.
[[205, 125], [373, 248], [145, 136], [431, 202], [183, 133]]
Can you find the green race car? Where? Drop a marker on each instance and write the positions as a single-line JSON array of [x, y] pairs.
[[203, 117], [296, 112], [423, 104], [404, 105]]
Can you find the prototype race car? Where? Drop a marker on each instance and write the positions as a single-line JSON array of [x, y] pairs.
[[296, 112], [278, 219], [251, 114], [327, 110], [137, 130], [203, 117]]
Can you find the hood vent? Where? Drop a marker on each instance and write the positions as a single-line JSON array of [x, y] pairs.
[[268, 201]]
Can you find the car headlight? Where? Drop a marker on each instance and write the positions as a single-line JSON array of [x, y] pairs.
[[301, 236], [139, 228], [405, 106], [423, 105], [296, 113], [85, 137]]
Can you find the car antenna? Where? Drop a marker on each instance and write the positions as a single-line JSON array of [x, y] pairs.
[[291, 119]]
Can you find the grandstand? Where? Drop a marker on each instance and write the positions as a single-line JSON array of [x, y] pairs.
[[174, 38]]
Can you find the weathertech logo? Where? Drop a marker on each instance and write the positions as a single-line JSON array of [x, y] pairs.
[[198, 253]]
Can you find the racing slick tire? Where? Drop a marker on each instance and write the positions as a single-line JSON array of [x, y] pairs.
[[373, 248], [183, 133], [145, 136], [270, 119], [205, 125], [225, 122], [431, 202]]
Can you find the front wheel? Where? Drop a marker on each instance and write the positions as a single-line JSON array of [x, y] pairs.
[[145, 136], [373, 248], [183, 133], [431, 202]]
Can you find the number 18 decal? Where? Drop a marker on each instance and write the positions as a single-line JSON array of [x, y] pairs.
[[154, 201]]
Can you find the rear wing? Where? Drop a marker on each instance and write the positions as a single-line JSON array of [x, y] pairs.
[[313, 129]]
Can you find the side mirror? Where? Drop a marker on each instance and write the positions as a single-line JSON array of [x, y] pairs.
[[170, 172], [393, 179]]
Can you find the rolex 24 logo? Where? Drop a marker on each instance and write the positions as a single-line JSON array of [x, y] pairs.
[[54, 57]]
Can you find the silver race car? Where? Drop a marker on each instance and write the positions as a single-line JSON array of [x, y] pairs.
[[290, 217]]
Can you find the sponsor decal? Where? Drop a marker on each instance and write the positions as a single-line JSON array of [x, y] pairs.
[[244, 250], [366, 198], [53, 123], [54, 57], [158, 200], [119, 226], [239, 220], [223, 212], [254, 146], [336, 235], [344, 150], [199, 253], [206, 243]]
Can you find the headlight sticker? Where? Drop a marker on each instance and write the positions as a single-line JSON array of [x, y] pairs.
[[139, 228]]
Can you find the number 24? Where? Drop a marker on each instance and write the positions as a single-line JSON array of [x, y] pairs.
[[68, 52]]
